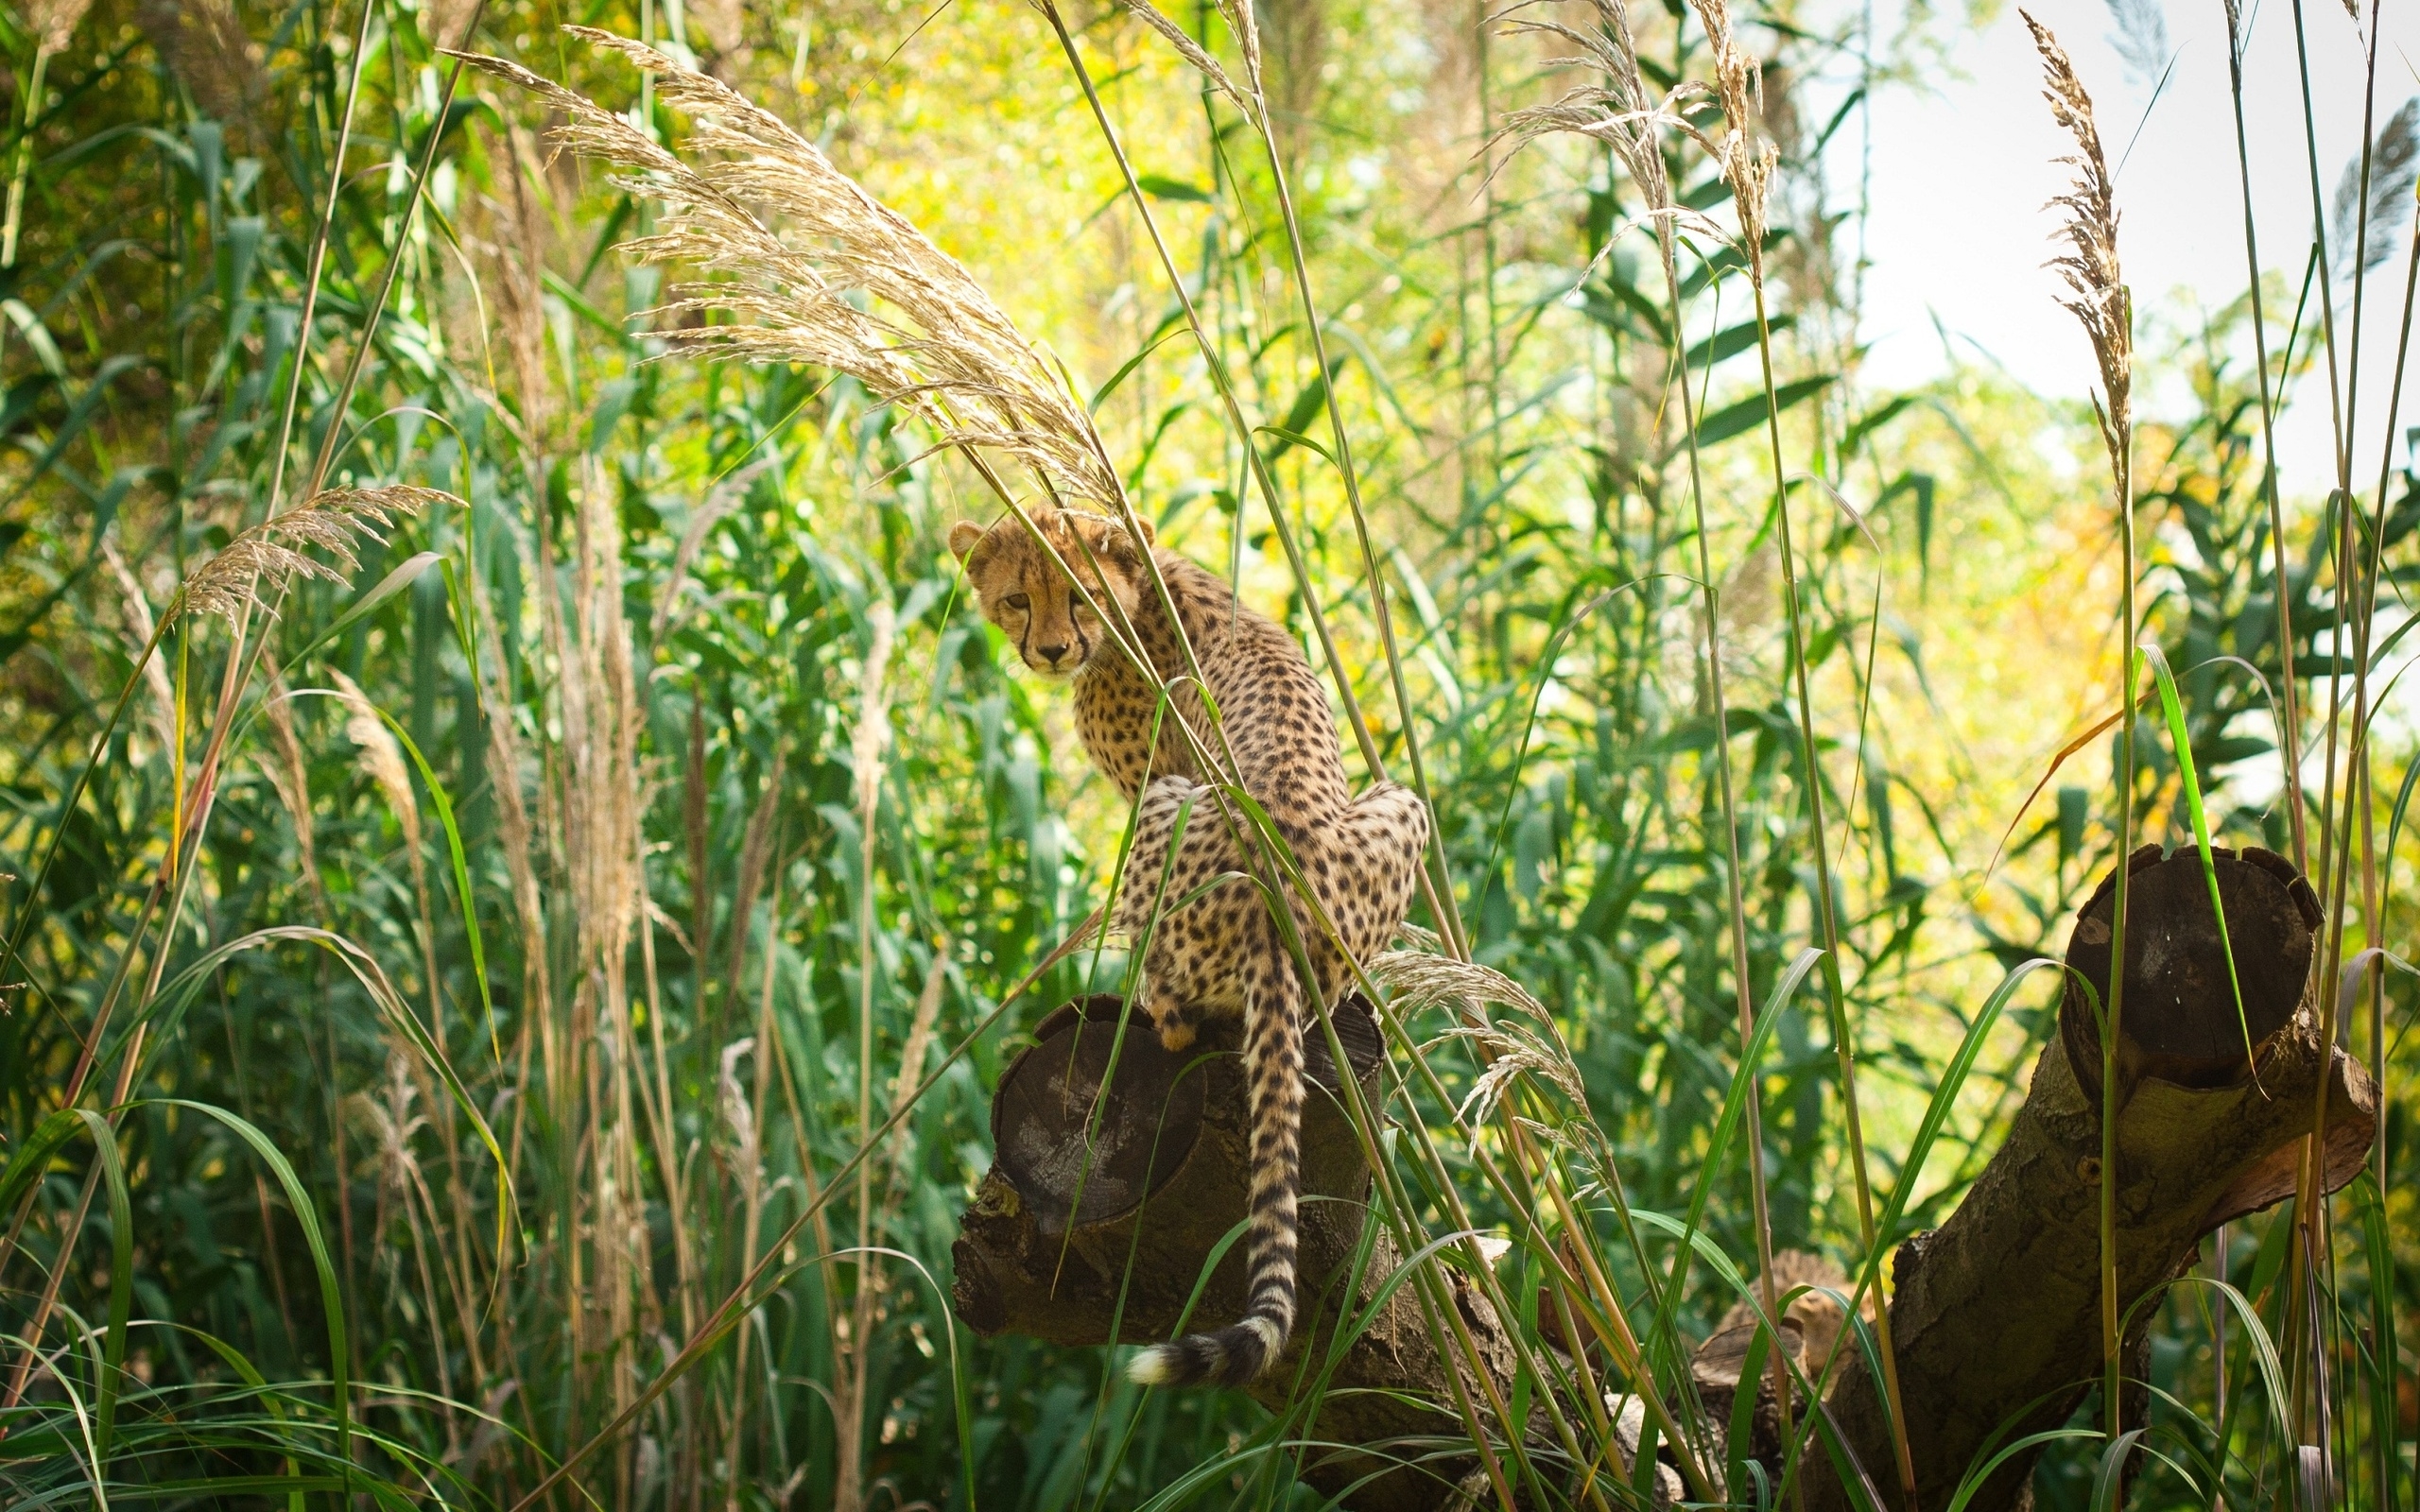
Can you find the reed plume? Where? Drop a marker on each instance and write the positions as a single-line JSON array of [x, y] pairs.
[[932, 341], [1747, 163], [2097, 296], [270, 553], [53, 22], [141, 628], [1615, 108], [1194, 52], [289, 775]]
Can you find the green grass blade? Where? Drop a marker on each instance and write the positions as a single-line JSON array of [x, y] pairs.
[[2183, 742], [331, 1293]]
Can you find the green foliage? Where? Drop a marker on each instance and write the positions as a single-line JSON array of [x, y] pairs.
[[437, 1000]]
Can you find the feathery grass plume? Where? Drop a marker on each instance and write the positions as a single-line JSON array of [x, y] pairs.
[[1747, 165], [911, 1065], [866, 742], [737, 1115], [140, 628], [1193, 52], [205, 44], [269, 552], [1618, 111], [289, 774], [520, 259], [53, 22], [382, 759], [1416, 982], [872, 732], [935, 344], [2141, 37], [727, 494], [2365, 234], [2099, 297]]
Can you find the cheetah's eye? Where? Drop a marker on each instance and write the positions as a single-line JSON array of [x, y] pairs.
[[1018, 601]]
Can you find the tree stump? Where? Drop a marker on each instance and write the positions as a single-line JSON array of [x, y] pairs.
[[2001, 1305], [1120, 1167]]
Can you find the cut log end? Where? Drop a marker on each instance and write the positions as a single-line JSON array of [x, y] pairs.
[[2180, 1018]]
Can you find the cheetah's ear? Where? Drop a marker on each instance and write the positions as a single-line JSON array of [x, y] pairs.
[[1150, 537], [962, 537]]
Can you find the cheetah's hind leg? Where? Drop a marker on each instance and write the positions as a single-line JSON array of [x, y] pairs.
[[1153, 892]]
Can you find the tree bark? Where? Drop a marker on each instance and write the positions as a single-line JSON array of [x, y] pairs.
[[2000, 1307], [1099, 1212]]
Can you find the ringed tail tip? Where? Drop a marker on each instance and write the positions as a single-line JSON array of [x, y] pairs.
[[1233, 1356]]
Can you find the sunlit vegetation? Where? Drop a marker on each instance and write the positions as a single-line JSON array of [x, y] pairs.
[[520, 850]]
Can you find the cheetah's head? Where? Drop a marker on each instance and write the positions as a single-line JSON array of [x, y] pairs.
[[1029, 598]]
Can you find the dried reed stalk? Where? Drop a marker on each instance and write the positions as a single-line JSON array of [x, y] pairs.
[[205, 43], [866, 744], [1621, 112], [1615, 108], [519, 262], [382, 762], [2099, 300], [599, 805]]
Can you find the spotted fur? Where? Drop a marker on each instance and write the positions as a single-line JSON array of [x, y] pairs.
[[1220, 955]]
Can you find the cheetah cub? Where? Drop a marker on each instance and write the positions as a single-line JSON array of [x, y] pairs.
[[1220, 954]]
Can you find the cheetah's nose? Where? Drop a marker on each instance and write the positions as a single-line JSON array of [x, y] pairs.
[[1050, 653]]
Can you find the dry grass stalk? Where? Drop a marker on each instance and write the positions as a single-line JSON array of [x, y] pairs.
[[1420, 980], [755, 858], [382, 759], [520, 260], [1417, 982], [270, 553], [934, 343], [872, 732], [597, 807], [911, 1061], [866, 744], [507, 764], [725, 496], [2097, 296]]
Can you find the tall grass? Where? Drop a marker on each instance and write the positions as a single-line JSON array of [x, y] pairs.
[[513, 1003]]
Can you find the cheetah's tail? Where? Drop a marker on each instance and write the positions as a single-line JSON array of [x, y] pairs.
[[1273, 1062], [1233, 1356]]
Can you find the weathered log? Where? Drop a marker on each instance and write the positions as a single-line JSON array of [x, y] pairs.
[[1102, 1205], [2000, 1307]]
